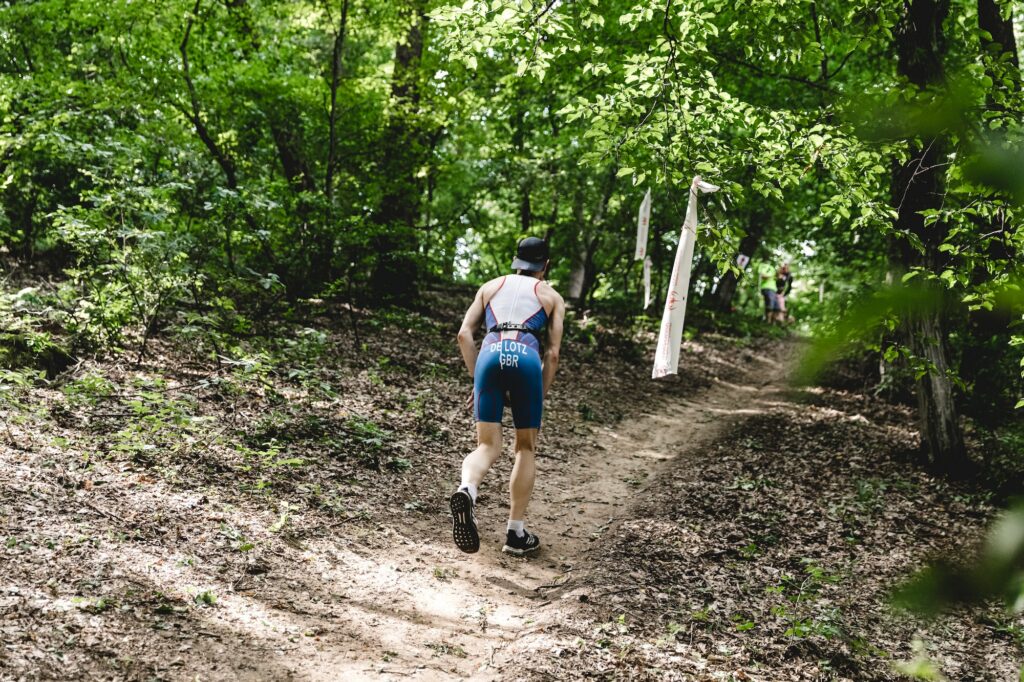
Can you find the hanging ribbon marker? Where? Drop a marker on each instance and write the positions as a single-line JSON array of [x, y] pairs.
[[643, 221], [666, 358]]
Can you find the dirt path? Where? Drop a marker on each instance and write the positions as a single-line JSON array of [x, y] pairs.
[[287, 540], [423, 610], [276, 535]]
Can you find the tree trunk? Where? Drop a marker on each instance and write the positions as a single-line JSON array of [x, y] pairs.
[[553, 179], [555, 198], [324, 238], [20, 207], [525, 212], [584, 270], [396, 272], [526, 183], [580, 252], [999, 55], [939, 418], [224, 159], [918, 185], [749, 245], [288, 141], [285, 127], [1003, 41]]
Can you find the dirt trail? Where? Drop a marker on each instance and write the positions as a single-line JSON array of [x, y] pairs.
[[153, 549], [423, 610], [177, 567]]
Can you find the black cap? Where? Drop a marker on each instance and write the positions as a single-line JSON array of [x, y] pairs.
[[531, 255]]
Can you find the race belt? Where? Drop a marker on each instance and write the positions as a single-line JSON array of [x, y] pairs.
[[513, 327]]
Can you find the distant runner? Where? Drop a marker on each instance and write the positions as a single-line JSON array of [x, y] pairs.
[[516, 309]]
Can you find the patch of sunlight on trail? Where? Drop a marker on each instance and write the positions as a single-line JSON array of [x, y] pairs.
[[175, 577], [368, 610], [433, 601]]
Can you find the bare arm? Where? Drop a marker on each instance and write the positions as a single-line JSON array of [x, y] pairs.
[[554, 344], [470, 323]]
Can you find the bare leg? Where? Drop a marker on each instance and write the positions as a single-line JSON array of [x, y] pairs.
[[523, 473], [478, 462]]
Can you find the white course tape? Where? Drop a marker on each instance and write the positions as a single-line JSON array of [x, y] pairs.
[[666, 358], [643, 221]]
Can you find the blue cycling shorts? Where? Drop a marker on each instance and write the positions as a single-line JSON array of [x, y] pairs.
[[514, 368]]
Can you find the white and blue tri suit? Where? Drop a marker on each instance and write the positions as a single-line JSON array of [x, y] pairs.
[[510, 360]]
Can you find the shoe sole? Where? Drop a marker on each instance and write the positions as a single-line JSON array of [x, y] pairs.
[[463, 526], [519, 552]]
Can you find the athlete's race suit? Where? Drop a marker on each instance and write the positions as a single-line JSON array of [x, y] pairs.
[[509, 361]]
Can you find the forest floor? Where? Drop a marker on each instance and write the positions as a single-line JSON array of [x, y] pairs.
[[284, 516]]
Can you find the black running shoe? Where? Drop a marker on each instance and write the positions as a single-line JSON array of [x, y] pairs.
[[520, 545], [463, 524]]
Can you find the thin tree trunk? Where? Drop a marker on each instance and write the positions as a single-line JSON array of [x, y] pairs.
[[240, 11], [396, 273], [1003, 41], [224, 160], [519, 143], [749, 246], [525, 213], [226, 163], [919, 185], [589, 271], [284, 122], [332, 119], [578, 258], [324, 239], [584, 270], [20, 208], [555, 198], [553, 183]]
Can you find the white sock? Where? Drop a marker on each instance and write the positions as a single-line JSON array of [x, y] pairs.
[[517, 526], [469, 488]]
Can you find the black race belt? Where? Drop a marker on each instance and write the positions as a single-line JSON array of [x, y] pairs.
[[514, 327]]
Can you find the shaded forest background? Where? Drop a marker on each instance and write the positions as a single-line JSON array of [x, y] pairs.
[[193, 169]]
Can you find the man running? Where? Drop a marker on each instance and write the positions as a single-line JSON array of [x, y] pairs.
[[516, 309]]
